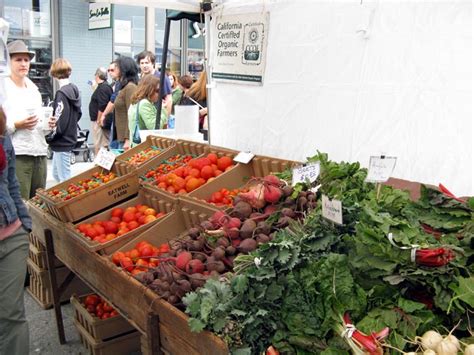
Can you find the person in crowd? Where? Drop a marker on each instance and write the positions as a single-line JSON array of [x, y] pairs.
[[146, 60], [99, 100], [128, 83], [22, 107], [177, 91], [15, 225], [106, 119], [67, 112], [197, 95], [143, 106], [185, 82]]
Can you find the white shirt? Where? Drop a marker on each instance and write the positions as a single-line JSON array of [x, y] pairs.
[[17, 105]]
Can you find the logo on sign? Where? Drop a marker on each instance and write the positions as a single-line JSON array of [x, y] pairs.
[[253, 42]]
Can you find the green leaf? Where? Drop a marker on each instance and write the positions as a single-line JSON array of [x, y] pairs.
[[239, 283], [464, 290], [410, 306], [196, 325]]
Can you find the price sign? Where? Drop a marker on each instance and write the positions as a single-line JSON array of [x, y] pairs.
[[105, 158], [380, 168], [307, 172], [244, 157], [332, 210]]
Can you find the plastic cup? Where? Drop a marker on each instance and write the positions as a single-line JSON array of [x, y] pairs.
[[47, 113]]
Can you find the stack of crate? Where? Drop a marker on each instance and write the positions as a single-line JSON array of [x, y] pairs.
[[112, 336], [40, 286]]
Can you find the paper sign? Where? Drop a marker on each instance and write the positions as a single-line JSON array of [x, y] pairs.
[[308, 172], [244, 157], [105, 158], [380, 168], [332, 209]]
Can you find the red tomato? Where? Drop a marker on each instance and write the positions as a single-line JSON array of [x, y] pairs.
[[223, 163], [110, 227], [117, 212], [212, 157], [91, 300]]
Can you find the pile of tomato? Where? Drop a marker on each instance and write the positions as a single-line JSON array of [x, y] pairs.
[[194, 174], [121, 221], [82, 186], [143, 156], [96, 306], [141, 258], [167, 165], [225, 197]]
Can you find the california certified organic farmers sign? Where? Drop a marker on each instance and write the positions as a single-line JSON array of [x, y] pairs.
[[99, 16], [239, 47]]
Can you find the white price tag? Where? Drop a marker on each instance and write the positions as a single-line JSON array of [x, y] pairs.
[[308, 172], [380, 168], [244, 157], [332, 209], [105, 158]]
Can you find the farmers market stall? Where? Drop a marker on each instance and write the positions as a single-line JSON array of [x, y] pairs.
[[205, 255]]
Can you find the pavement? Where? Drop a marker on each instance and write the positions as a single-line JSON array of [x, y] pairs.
[[42, 323]]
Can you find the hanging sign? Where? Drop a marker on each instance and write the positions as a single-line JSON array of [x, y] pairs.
[[105, 159], [306, 172], [380, 168], [332, 209], [100, 16], [244, 157], [239, 45]]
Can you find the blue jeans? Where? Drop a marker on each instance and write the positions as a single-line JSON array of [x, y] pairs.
[[61, 166]]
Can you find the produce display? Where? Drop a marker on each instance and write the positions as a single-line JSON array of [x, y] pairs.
[[38, 202], [209, 250], [121, 222], [82, 186], [144, 155], [98, 307], [141, 258], [166, 166], [191, 175], [374, 284]]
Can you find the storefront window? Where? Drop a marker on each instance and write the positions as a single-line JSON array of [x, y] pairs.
[[28, 18], [39, 67], [173, 61], [129, 30]]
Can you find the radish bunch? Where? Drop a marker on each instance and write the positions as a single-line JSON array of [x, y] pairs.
[[208, 250]]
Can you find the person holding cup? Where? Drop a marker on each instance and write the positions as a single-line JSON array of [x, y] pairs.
[[22, 108]]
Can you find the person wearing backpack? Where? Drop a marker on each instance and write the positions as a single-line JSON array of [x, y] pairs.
[[67, 112]]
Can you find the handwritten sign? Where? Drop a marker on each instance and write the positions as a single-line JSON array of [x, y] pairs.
[[307, 172], [332, 209], [99, 16], [244, 157], [380, 168], [105, 158]]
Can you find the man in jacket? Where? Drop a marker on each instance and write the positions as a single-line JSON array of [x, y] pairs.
[[99, 100]]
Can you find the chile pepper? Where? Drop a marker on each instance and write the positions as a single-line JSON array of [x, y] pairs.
[[448, 193], [434, 257], [368, 343]]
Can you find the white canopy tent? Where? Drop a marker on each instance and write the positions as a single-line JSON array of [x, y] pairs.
[[355, 79]]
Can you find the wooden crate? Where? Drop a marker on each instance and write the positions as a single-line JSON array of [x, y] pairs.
[[159, 201], [36, 242], [124, 344], [38, 257], [40, 286], [263, 165], [161, 143], [86, 204], [99, 329], [38, 215], [146, 350]]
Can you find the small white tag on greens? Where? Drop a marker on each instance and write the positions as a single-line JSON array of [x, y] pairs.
[[332, 209], [380, 168]]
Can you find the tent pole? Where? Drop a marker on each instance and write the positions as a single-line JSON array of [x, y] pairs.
[[163, 70], [207, 66]]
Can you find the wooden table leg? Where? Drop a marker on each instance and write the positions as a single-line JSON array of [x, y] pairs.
[[54, 286], [153, 334]]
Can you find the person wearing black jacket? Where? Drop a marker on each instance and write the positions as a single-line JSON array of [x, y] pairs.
[[67, 112], [99, 100]]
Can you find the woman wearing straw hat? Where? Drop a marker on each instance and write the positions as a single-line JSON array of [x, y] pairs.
[[22, 108]]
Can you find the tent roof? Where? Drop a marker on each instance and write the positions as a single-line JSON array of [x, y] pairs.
[[180, 5]]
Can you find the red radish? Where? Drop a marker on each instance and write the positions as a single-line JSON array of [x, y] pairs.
[[254, 196], [218, 218], [236, 242], [270, 209], [272, 179], [195, 266], [183, 259], [233, 233], [234, 222], [272, 194]]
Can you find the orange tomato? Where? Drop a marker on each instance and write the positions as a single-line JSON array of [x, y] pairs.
[[133, 225], [192, 184], [134, 254], [149, 218], [110, 237], [116, 219], [179, 183], [171, 189], [149, 211], [217, 172], [224, 162], [162, 185], [195, 173], [129, 216], [117, 212], [141, 244], [131, 209], [117, 256], [122, 231], [99, 229]]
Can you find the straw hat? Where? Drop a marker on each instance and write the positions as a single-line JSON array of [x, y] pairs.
[[19, 47]]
